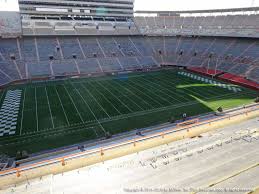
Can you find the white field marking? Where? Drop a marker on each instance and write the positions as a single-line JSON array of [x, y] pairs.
[[172, 86], [135, 95], [24, 95], [100, 47], [209, 91], [53, 126], [184, 88], [107, 100], [166, 90], [73, 103], [89, 109], [146, 94], [115, 96], [158, 86], [36, 107], [95, 100], [218, 84], [133, 114], [62, 106], [125, 95]]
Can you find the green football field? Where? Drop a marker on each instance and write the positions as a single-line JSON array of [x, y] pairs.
[[60, 113]]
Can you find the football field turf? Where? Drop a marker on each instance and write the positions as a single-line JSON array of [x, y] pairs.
[[65, 112]]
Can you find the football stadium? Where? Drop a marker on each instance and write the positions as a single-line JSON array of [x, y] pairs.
[[97, 97]]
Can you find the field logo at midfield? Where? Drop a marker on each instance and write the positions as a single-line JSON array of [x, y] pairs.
[[9, 112], [210, 81]]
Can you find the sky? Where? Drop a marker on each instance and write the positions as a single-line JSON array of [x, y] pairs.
[[167, 5]]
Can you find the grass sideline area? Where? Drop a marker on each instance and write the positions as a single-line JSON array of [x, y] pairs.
[[59, 113]]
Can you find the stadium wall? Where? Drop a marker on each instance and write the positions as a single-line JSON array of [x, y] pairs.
[[10, 24], [90, 157]]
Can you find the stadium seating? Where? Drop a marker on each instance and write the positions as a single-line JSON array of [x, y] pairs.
[[222, 25], [48, 46], [30, 57], [89, 66]]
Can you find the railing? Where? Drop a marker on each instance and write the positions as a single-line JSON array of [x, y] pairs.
[[101, 150]]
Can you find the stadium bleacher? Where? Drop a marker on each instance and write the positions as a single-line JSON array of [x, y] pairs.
[[232, 25], [32, 56]]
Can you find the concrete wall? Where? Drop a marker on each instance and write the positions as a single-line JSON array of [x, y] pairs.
[[100, 155], [10, 24]]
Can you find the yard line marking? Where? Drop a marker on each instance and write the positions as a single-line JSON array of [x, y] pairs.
[[53, 126], [163, 91], [73, 103], [135, 95], [79, 93], [131, 115], [186, 82], [90, 109], [62, 105], [36, 107], [158, 95], [95, 100], [145, 94], [171, 86], [186, 89], [107, 100], [208, 81], [115, 97], [126, 96], [22, 110]]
